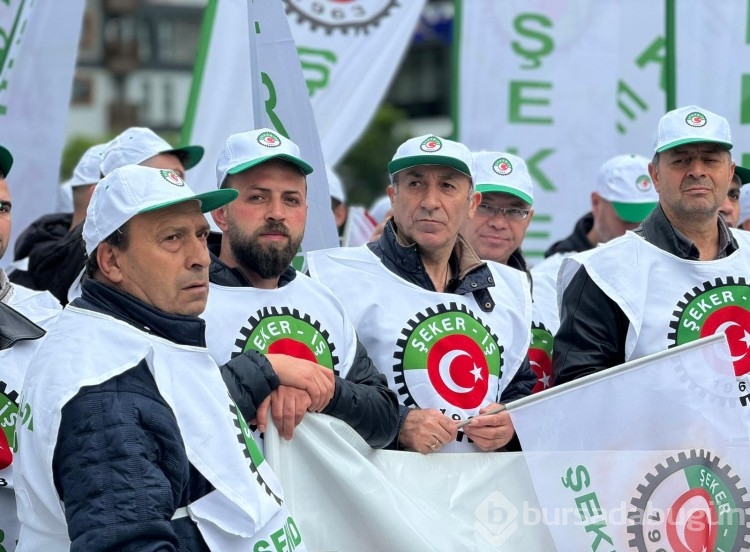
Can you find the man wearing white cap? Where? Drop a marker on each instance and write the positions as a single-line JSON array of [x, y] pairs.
[[449, 331], [129, 438], [678, 277], [743, 220], [24, 314], [259, 301]]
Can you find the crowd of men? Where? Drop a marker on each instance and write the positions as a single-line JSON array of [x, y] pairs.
[[136, 414]]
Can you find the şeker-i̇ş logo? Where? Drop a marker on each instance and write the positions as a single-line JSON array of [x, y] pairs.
[[721, 306], [448, 354], [340, 15], [8, 417], [692, 503], [287, 331], [540, 356]]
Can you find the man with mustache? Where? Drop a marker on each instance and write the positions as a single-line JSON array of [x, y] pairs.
[[651, 289], [450, 331], [259, 301]]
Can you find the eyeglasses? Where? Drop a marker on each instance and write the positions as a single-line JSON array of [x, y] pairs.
[[511, 213]]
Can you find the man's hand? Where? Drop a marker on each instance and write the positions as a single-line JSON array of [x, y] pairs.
[[288, 406], [492, 431], [303, 374], [426, 431]]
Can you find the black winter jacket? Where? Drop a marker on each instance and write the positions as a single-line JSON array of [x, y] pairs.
[[120, 465], [577, 241]]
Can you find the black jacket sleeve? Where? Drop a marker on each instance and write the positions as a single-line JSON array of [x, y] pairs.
[[521, 384], [364, 401], [250, 378], [592, 331]]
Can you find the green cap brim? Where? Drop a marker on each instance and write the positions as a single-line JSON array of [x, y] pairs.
[[743, 173], [6, 160], [489, 188], [191, 154], [665, 147], [209, 200], [416, 160], [304, 167], [633, 212]]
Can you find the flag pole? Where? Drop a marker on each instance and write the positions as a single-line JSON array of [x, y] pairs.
[[670, 61]]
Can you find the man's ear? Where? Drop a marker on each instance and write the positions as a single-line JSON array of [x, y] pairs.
[[220, 217], [109, 263]]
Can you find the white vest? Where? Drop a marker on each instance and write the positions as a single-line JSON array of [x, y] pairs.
[[302, 319], [670, 301], [41, 308], [438, 350], [86, 348]]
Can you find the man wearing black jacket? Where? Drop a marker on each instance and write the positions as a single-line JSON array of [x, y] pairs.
[[258, 301]]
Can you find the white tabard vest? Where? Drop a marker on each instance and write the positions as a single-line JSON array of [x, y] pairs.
[[670, 301], [302, 319], [42, 309], [86, 348], [438, 350]]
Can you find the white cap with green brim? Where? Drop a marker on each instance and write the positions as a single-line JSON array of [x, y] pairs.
[[138, 144], [87, 170], [431, 150], [502, 172], [132, 190], [690, 125], [624, 181], [245, 150]]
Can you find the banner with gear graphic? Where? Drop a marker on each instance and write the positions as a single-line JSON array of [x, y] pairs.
[[640, 458], [350, 51]]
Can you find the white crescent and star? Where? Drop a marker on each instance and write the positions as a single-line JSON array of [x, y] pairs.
[[445, 371], [545, 376], [746, 338]]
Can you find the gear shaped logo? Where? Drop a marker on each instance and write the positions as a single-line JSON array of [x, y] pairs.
[[269, 140], [251, 451], [643, 183], [502, 166], [690, 503], [540, 356], [431, 144], [287, 331], [358, 16], [448, 351], [696, 119], [172, 177], [8, 417]]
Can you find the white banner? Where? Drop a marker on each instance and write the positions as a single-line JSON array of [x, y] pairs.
[[350, 52], [39, 42], [645, 456], [245, 80], [564, 85], [346, 496]]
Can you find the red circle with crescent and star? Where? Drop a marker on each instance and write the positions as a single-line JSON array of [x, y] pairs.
[[458, 371], [541, 364], [291, 347], [692, 522], [734, 321]]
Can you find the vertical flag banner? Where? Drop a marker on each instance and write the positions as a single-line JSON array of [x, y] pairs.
[[39, 42], [248, 76], [350, 52], [644, 456], [564, 85]]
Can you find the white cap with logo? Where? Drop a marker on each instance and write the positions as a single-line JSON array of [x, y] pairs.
[[87, 170], [496, 171], [245, 150], [624, 181], [744, 204], [431, 150], [131, 190], [691, 124], [137, 144], [335, 186]]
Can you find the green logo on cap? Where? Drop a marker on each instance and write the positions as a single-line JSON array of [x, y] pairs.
[[432, 143], [172, 177], [269, 139], [502, 166], [643, 183], [696, 119]]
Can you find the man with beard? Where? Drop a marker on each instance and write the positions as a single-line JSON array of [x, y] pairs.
[[259, 301]]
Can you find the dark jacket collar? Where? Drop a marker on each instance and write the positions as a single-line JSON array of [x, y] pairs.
[[577, 241], [224, 275], [183, 330], [15, 327], [657, 229]]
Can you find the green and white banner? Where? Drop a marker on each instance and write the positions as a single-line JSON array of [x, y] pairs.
[[38, 48], [567, 85], [350, 52], [245, 80]]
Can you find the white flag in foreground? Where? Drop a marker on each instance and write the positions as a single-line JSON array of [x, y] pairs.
[[39, 42], [346, 496], [643, 456]]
